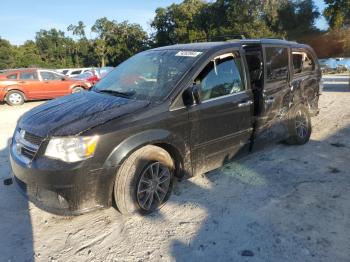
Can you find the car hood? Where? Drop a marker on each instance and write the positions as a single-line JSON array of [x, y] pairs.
[[73, 114]]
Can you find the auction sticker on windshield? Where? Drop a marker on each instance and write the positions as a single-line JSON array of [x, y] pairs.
[[188, 53]]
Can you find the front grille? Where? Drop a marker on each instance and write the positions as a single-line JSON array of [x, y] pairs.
[[28, 153], [35, 140], [27, 144]]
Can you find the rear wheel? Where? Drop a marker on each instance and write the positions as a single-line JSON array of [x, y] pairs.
[[14, 98], [144, 181], [77, 89], [299, 126]]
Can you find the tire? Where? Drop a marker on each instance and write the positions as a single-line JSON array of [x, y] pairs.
[[135, 188], [299, 125], [14, 98], [77, 89]]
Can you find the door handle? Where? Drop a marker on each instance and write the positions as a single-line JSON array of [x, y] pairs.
[[244, 104], [22, 82], [270, 100]]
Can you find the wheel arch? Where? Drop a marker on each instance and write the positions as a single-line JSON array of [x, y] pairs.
[[175, 155], [77, 85], [176, 148], [164, 139], [14, 88]]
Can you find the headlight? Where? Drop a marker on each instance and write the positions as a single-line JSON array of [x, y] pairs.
[[71, 149]]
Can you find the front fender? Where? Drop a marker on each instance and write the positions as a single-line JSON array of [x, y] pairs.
[[175, 145]]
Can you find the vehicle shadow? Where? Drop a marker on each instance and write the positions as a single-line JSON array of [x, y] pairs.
[[16, 240], [279, 204]]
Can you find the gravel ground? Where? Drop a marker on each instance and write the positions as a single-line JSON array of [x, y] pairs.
[[283, 203]]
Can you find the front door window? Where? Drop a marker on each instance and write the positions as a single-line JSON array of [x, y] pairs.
[[47, 76], [222, 76]]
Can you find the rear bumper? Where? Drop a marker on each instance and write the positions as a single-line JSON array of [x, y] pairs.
[[69, 190], [2, 95]]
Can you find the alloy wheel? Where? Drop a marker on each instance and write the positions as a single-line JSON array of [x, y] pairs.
[[153, 186], [301, 124]]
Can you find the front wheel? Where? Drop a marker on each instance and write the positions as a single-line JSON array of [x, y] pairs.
[[144, 181], [299, 125]]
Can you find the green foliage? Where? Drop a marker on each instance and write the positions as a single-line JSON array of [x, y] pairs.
[[81, 47], [337, 13], [115, 41], [6, 54], [189, 21], [78, 30], [292, 18], [28, 55], [246, 17], [195, 19]]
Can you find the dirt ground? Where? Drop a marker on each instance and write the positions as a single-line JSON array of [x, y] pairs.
[[283, 203]]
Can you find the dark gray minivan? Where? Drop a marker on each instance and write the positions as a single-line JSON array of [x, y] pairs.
[[168, 112]]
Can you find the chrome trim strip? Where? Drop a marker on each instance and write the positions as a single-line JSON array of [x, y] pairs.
[[210, 100], [225, 96]]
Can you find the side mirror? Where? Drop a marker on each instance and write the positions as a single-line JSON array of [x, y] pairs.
[[191, 96], [63, 78]]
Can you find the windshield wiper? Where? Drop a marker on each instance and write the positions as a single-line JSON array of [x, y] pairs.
[[116, 93]]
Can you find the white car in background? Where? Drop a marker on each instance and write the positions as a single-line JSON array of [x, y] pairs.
[[70, 72]]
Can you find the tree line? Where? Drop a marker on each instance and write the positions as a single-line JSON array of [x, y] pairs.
[[189, 21]]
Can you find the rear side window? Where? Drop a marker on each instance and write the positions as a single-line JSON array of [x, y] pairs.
[[12, 76], [308, 63], [77, 72], [276, 63], [302, 62], [49, 76], [28, 76], [222, 76], [297, 62]]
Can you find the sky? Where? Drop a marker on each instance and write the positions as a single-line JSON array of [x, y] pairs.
[[20, 20]]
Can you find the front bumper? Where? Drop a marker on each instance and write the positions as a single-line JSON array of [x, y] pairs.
[[62, 188]]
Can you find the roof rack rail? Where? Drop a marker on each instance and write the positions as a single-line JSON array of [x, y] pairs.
[[275, 38], [220, 37]]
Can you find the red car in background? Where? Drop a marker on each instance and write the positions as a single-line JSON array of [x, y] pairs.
[[94, 75], [18, 86]]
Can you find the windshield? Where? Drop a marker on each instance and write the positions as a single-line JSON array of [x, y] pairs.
[[149, 75]]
